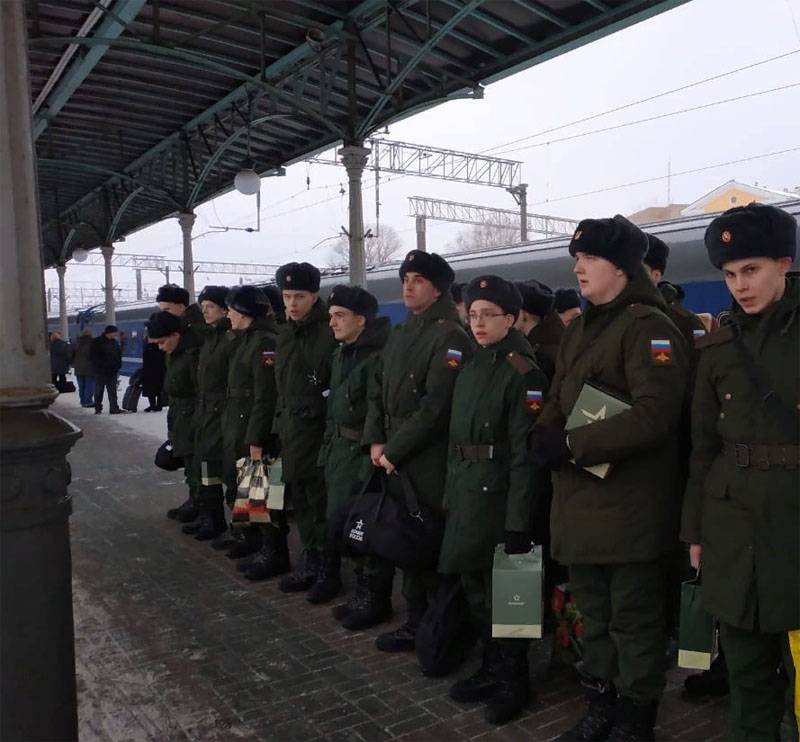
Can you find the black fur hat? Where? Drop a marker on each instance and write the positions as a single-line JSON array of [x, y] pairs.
[[275, 298], [496, 290], [249, 300], [537, 298], [457, 292], [298, 277], [752, 231], [216, 294], [567, 299], [174, 294], [355, 299], [431, 266], [617, 240], [657, 253], [162, 324]]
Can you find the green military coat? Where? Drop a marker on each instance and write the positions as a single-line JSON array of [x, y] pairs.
[[345, 459], [747, 519], [632, 514], [180, 383], [411, 392], [302, 375], [545, 339], [212, 383], [251, 391], [498, 396]]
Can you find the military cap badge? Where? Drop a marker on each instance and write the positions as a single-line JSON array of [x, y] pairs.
[[577, 235], [726, 236], [484, 283]]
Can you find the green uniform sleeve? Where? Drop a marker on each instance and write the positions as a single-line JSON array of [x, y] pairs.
[[656, 390], [432, 417], [522, 476], [706, 444], [374, 431], [265, 396], [551, 413]]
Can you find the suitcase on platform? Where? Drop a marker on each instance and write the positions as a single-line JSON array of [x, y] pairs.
[[130, 400]]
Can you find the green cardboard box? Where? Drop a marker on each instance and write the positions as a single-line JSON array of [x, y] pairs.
[[591, 406], [697, 636], [517, 594]]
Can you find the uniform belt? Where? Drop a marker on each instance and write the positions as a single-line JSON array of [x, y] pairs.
[[762, 456], [351, 434], [475, 453], [239, 393]]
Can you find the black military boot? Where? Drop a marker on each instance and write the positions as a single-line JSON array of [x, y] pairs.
[[633, 721], [249, 543], [185, 509], [329, 580], [227, 540], [273, 558], [372, 605], [214, 523], [599, 718], [514, 683], [194, 526], [304, 576], [341, 610], [484, 681], [711, 683], [403, 637]]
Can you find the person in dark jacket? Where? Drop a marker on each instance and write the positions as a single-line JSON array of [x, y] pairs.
[[488, 497], [741, 511], [153, 369], [84, 371], [568, 305], [106, 357], [409, 408], [615, 532], [361, 335], [175, 300], [540, 324], [60, 359]]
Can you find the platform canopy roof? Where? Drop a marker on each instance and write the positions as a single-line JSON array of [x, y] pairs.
[[146, 108]]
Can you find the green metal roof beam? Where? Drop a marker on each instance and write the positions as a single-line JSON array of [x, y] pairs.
[[111, 27], [598, 5], [495, 23], [542, 12], [455, 34]]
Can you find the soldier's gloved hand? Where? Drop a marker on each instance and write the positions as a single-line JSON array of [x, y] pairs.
[[517, 543], [547, 446]]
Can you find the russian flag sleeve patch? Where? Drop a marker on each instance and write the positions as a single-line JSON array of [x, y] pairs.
[[453, 358], [661, 351]]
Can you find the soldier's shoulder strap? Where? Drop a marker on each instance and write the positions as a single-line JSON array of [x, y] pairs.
[[723, 335], [519, 363]]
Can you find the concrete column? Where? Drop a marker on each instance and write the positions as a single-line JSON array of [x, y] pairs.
[[523, 212], [354, 158], [138, 285], [108, 254], [63, 320], [186, 220], [421, 235], [37, 659]]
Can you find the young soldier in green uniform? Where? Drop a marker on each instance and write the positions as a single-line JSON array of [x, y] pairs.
[[175, 300], [409, 406], [361, 334], [180, 383], [614, 533], [540, 324], [250, 404], [212, 381], [488, 497], [741, 512], [302, 372], [568, 305]]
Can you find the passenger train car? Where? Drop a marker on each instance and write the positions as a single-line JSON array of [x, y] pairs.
[[546, 260]]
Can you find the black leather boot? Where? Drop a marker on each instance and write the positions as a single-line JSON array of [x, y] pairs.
[[634, 721], [273, 557], [711, 683], [304, 576], [513, 687], [227, 540], [249, 543], [185, 509], [329, 580], [403, 637], [599, 717], [194, 526], [484, 681], [214, 523], [341, 610], [372, 605]]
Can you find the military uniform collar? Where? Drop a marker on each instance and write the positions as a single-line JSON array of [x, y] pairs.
[[780, 313], [514, 342], [639, 290], [374, 335], [318, 314], [442, 309]]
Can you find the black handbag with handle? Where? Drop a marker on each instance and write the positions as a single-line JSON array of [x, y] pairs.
[[399, 530]]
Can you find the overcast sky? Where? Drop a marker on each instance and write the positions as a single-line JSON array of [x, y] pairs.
[[697, 40]]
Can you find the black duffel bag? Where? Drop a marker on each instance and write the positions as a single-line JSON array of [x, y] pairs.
[[166, 458], [399, 530]]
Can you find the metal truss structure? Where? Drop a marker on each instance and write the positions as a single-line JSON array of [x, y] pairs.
[[156, 263], [145, 108], [452, 211]]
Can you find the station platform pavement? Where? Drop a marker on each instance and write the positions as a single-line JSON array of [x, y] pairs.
[[173, 644]]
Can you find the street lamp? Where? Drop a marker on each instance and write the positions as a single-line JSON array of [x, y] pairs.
[[79, 255], [247, 182]]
